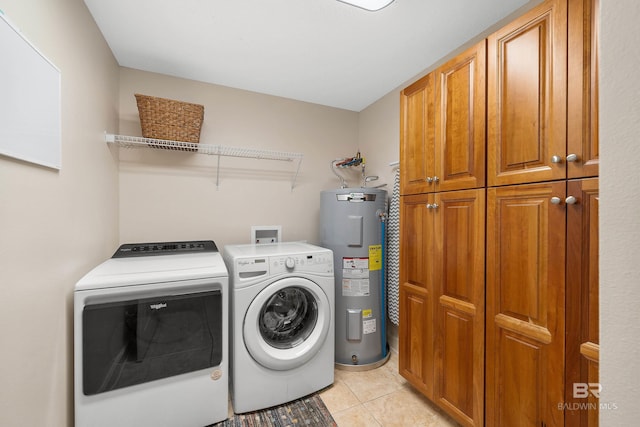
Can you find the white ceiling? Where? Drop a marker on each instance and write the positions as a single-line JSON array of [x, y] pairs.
[[320, 51]]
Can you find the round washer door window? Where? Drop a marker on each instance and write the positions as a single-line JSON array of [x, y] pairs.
[[287, 323]]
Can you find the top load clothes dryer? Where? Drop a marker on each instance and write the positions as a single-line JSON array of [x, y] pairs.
[[150, 333]]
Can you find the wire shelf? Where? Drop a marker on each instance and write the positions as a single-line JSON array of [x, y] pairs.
[[126, 141]]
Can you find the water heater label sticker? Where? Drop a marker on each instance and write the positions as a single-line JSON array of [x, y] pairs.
[[355, 263], [355, 277], [355, 273], [366, 313], [375, 257], [369, 326], [355, 287]]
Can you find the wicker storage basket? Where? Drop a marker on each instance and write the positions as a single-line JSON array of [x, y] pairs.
[[162, 118]]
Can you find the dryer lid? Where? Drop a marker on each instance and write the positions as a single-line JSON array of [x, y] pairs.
[[143, 270]]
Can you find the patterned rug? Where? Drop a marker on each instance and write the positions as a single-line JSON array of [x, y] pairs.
[[308, 412]]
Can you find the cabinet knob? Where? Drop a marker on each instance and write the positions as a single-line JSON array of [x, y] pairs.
[[570, 158], [570, 200], [432, 206], [556, 200], [436, 179], [429, 179]]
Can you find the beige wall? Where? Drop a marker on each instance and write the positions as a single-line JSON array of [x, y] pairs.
[[55, 225], [167, 195], [379, 137], [619, 213]]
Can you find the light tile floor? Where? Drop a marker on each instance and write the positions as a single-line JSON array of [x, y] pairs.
[[380, 397]]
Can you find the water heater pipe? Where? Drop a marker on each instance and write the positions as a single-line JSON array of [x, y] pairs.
[[383, 297]]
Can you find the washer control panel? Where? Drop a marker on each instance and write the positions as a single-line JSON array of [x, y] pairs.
[[312, 263], [250, 268]]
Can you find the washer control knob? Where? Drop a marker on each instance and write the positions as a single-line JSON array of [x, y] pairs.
[[290, 263]]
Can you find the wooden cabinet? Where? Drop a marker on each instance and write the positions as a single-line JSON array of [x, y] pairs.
[[442, 299], [416, 330], [582, 87], [460, 141], [529, 230], [417, 117], [458, 278], [583, 343], [543, 126], [443, 126], [539, 294], [535, 270], [442, 216], [527, 96], [525, 300]]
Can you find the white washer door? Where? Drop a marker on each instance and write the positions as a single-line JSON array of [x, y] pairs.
[[287, 323]]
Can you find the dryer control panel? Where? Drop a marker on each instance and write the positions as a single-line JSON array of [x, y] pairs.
[[164, 248]]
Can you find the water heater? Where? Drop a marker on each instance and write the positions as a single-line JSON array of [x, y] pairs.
[[352, 226]]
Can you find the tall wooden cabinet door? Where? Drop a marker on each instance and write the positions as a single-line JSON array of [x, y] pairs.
[[583, 342], [416, 136], [416, 293], [526, 97], [582, 89], [525, 305], [460, 137], [459, 223]]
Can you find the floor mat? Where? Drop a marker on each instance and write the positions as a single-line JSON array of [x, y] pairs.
[[309, 411]]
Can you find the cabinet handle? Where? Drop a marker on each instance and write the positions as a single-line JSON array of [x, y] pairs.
[[571, 200], [429, 179], [555, 200], [432, 206], [436, 179], [570, 158]]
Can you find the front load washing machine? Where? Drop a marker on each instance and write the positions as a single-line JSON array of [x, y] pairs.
[[282, 322], [151, 337]]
